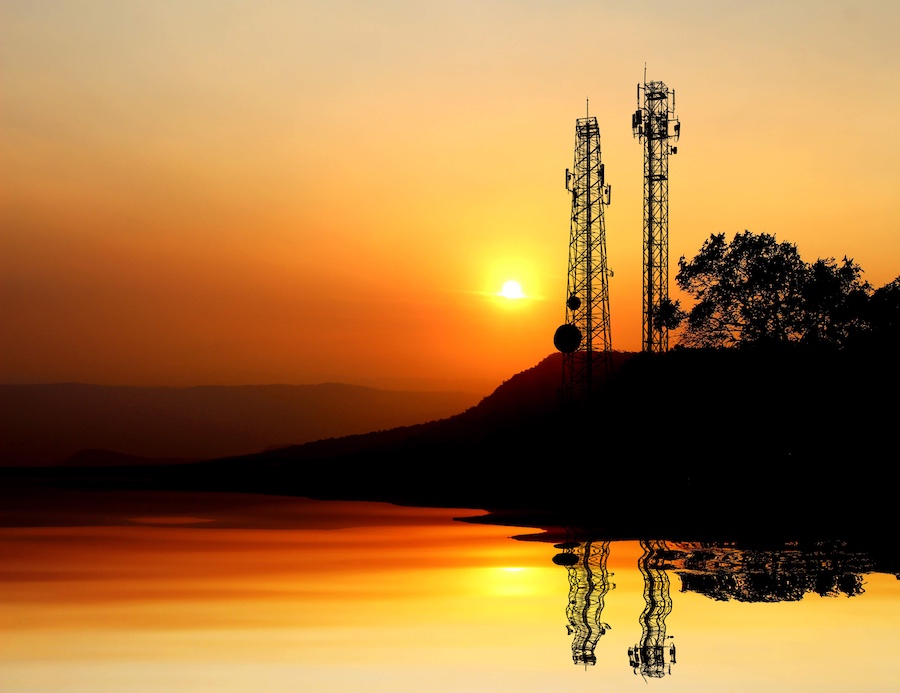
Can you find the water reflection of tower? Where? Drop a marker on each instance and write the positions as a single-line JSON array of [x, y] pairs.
[[588, 586], [654, 656]]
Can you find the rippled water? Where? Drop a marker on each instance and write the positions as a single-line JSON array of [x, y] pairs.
[[122, 592]]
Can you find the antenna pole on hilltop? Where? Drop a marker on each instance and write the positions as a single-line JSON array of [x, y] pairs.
[[655, 125], [584, 338]]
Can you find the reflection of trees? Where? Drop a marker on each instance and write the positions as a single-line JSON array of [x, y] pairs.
[[770, 575], [653, 656], [720, 571], [588, 586]]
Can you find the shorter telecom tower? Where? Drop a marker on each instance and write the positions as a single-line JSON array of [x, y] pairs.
[[584, 338], [589, 584], [654, 123]]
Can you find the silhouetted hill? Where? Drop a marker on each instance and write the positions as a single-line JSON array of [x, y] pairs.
[[529, 399], [111, 458], [690, 444], [46, 424], [786, 440]]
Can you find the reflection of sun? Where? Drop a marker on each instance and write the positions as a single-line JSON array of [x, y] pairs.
[[512, 290]]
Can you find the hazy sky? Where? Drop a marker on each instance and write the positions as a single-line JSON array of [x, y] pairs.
[[256, 192]]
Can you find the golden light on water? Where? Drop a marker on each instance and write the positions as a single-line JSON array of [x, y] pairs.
[[343, 594]]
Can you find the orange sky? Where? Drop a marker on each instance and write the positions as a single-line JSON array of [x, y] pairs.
[[234, 192]]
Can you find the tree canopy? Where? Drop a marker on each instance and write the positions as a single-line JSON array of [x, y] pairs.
[[757, 290]]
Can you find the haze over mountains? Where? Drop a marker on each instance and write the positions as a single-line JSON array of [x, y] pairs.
[[48, 424]]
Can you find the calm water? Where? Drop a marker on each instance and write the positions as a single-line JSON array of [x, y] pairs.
[[123, 593]]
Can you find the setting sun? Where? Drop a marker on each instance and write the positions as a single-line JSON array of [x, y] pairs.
[[512, 290], [269, 215]]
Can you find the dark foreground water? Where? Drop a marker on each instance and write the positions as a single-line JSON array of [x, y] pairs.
[[147, 592]]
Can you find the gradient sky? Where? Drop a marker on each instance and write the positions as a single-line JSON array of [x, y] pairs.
[[256, 192]]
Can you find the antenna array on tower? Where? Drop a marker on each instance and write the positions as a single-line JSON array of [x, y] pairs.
[[584, 337], [655, 125]]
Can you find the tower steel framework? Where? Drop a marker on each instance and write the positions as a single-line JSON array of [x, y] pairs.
[[655, 125], [588, 586], [655, 654], [584, 337]]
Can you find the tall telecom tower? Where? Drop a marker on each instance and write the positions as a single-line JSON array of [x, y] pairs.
[[585, 338], [651, 125]]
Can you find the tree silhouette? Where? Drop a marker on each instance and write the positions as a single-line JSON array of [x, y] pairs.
[[749, 290], [757, 290], [883, 315], [835, 301]]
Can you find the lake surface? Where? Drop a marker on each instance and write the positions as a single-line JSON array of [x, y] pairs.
[[147, 592]]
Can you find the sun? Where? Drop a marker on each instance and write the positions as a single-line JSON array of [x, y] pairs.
[[512, 290]]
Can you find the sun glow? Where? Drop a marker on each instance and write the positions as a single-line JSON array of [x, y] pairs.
[[512, 290]]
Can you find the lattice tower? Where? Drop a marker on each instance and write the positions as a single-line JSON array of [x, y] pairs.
[[655, 654], [655, 125], [585, 338], [589, 583]]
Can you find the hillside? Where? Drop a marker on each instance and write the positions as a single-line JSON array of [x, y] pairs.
[[733, 441], [690, 444], [48, 424]]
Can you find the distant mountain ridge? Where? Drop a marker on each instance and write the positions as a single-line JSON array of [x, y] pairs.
[[781, 441], [47, 424], [784, 443]]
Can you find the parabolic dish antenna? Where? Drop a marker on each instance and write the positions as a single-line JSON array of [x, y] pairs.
[[565, 559], [567, 338]]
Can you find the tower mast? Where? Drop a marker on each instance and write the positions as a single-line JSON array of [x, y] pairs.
[[589, 584], [651, 125], [584, 337], [655, 654]]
